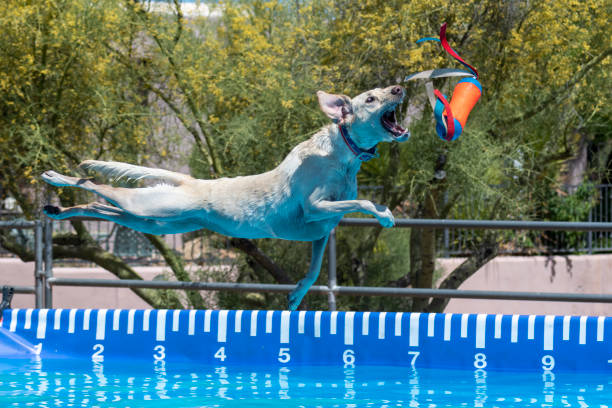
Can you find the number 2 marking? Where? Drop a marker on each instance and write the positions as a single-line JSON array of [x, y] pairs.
[[98, 356]]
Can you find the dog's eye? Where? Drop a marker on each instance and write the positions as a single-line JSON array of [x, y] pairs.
[[370, 99]]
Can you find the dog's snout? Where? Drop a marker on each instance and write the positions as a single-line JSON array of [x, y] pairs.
[[397, 90]]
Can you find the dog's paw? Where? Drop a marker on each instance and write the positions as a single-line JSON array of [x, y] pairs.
[[52, 211], [386, 218], [294, 299], [55, 179]]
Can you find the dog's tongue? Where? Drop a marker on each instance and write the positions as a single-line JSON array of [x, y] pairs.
[[389, 122]]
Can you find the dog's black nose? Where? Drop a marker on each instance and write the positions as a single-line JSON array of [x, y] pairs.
[[396, 90]]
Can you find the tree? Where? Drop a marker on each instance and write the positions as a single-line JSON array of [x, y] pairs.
[[243, 88]]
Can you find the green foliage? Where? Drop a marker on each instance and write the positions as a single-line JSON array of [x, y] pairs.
[[82, 79]]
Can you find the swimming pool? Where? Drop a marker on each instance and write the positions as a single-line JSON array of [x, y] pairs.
[[136, 358]]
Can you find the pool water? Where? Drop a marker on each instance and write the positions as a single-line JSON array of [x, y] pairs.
[[85, 383]]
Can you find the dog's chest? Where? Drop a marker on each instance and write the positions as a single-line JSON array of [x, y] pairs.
[[344, 186]]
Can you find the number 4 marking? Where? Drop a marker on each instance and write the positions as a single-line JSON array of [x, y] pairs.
[[415, 355], [220, 354]]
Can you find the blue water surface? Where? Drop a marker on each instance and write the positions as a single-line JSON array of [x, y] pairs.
[[85, 383]]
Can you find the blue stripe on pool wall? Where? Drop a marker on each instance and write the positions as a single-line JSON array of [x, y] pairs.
[[437, 340]]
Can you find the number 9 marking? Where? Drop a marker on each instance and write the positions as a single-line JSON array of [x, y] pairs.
[[548, 362]]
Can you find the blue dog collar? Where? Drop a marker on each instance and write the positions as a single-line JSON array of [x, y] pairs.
[[363, 155]]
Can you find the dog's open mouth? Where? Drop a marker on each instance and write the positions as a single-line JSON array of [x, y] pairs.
[[389, 122]]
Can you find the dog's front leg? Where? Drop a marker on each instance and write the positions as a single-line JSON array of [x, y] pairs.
[[318, 249], [323, 209]]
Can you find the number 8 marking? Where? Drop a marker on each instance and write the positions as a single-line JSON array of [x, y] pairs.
[[480, 360]]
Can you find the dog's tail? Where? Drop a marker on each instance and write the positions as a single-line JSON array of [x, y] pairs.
[[117, 170]]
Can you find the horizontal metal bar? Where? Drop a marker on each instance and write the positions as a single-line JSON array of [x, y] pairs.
[[339, 290], [481, 224], [23, 289], [22, 224]]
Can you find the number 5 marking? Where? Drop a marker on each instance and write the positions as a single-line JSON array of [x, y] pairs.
[[415, 355], [283, 355]]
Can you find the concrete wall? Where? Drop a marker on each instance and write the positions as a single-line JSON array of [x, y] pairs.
[[588, 274]]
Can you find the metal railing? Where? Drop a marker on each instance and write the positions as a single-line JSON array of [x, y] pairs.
[[43, 259], [332, 289]]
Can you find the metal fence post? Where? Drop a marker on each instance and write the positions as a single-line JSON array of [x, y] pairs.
[[48, 258], [331, 269], [38, 265], [590, 234]]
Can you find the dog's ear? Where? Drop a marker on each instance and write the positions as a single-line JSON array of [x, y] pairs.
[[337, 107]]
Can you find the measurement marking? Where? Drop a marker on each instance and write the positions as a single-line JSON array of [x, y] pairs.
[[413, 340], [530, 327], [86, 318], [464, 325], [254, 322], [160, 329], [481, 329], [447, 326], [549, 327], [365, 324], [398, 323], [116, 314], [42, 323], [57, 319], [221, 326], [100, 324], [130, 328], [333, 320], [284, 328], [349, 318], [514, 329], [381, 324], [71, 320], [317, 324], [431, 321], [207, 315], [269, 315], [600, 328], [582, 330], [238, 321], [301, 321], [191, 324], [28, 319], [498, 326], [145, 320], [175, 320], [13, 325], [566, 327]]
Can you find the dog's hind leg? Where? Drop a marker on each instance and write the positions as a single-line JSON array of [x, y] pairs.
[[119, 216], [318, 249]]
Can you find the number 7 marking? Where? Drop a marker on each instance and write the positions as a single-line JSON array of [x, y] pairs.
[[414, 355]]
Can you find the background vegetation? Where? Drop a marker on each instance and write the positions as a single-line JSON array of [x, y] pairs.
[[114, 80]]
